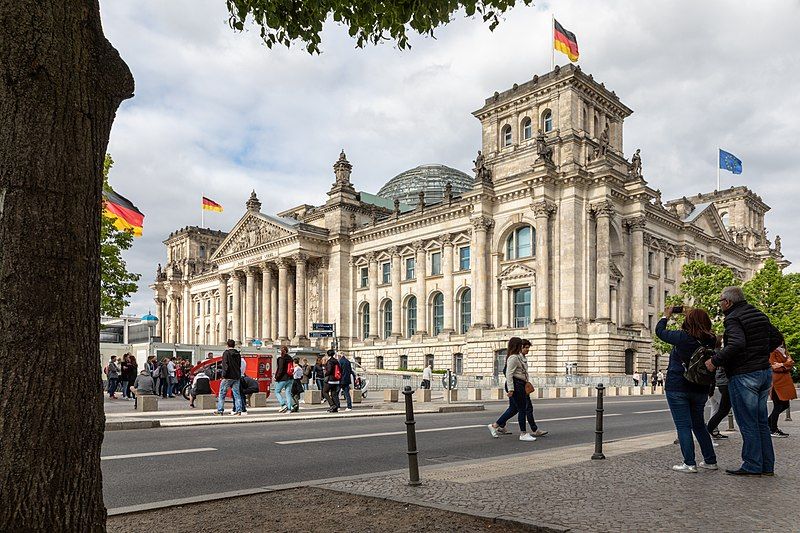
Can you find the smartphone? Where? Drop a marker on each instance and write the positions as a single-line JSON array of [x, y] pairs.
[[678, 309]]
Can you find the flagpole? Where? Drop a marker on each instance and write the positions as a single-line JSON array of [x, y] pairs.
[[552, 45], [717, 168], [202, 213]]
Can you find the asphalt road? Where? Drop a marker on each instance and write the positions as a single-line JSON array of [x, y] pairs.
[[245, 456]]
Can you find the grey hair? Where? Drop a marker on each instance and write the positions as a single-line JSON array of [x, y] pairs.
[[733, 294]]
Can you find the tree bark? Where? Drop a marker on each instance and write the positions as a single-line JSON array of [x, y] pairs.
[[61, 83]]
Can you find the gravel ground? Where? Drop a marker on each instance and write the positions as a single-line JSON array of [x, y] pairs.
[[289, 511]]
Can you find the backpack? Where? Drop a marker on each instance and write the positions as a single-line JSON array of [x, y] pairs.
[[290, 368], [105, 370], [695, 370], [337, 372]]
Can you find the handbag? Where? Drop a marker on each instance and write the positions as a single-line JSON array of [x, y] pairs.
[[529, 388]]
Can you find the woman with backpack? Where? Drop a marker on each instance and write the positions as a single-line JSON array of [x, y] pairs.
[[687, 399]]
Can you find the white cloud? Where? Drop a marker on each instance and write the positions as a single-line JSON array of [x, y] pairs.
[[217, 113]]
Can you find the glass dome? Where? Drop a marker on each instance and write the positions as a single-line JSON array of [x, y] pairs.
[[429, 178]]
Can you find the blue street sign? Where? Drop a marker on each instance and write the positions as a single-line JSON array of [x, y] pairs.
[[320, 334], [321, 326]]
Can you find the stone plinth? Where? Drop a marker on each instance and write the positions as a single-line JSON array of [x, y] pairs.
[[312, 397], [391, 395], [453, 394], [423, 395], [355, 395], [567, 392], [581, 392], [474, 394], [259, 399], [206, 401], [146, 403], [497, 394], [550, 393]]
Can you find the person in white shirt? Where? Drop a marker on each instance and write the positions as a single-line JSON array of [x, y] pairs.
[[427, 376]]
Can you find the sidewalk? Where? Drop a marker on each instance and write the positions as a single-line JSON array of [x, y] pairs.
[[633, 489]]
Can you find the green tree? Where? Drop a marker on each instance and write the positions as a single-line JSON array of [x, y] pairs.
[[61, 83], [116, 283]]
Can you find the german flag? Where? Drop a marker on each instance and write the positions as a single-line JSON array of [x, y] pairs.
[[125, 215], [565, 41], [211, 205]]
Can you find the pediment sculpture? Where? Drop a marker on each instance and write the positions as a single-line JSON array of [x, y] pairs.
[[252, 233]]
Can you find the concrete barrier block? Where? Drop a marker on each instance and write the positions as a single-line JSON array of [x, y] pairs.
[[647, 391], [551, 393], [355, 395], [146, 403], [474, 394], [635, 391], [497, 394], [423, 395], [611, 391], [581, 392], [391, 395], [259, 399], [312, 397], [453, 395], [659, 390], [206, 401], [567, 392]]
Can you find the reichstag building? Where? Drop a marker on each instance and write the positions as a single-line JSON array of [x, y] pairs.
[[553, 235]]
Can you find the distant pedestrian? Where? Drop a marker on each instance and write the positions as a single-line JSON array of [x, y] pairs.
[[201, 384], [427, 376], [173, 380], [644, 379], [284, 370], [112, 371], [297, 384], [660, 378], [307, 371], [720, 404], [319, 373], [635, 379], [142, 385], [163, 378], [333, 374], [653, 380], [347, 379], [783, 390], [687, 400], [231, 374], [124, 369], [247, 387], [749, 340]]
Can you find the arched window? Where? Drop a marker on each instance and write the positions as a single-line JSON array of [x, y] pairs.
[[506, 135], [527, 128], [725, 219], [547, 121], [520, 243], [465, 310], [438, 313], [387, 319], [208, 339], [365, 321], [411, 316]]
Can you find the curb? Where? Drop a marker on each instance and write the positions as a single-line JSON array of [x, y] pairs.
[[132, 424], [459, 408]]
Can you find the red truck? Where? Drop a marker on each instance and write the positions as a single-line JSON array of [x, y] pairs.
[[259, 367]]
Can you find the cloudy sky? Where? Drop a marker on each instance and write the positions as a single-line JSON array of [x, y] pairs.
[[217, 113]]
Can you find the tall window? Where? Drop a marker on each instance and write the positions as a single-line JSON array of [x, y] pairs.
[[429, 359], [465, 310], [650, 295], [411, 316], [547, 121], [651, 262], [527, 129], [520, 243], [438, 313], [410, 264], [197, 307], [379, 362], [364, 276], [436, 263], [522, 307], [202, 252], [230, 302], [208, 306], [403, 362], [458, 363], [666, 267], [386, 272], [506, 135], [387, 319], [365, 321], [463, 258]]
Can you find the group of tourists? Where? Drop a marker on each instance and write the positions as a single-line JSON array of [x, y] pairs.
[[332, 373], [656, 379], [739, 370], [518, 388], [168, 376]]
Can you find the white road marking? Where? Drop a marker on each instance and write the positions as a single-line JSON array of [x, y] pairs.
[[154, 454], [653, 411]]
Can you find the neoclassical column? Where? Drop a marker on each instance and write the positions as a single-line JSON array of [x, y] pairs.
[[636, 227], [301, 321], [505, 312], [542, 211], [212, 338], [173, 318], [222, 334], [603, 212], [201, 339], [273, 301], [250, 305], [480, 273], [397, 319], [447, 282], [186, 336], [236, 289], [373, 295], [290, 305], [266, 303], [283, 307], [322, 278], [420, 271]]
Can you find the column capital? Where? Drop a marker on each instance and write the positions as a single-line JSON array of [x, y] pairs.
[[223, 278], [300, 257], [266, 267], [604, 208], [543, 208], [446, 239], [371, 257], [323, 261], [636, 223], [483, 223], [250, 271], [394, 251], [282, 263], [419, 245]]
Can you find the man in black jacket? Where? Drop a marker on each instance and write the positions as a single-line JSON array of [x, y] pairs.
[[231, 374], [330, 391], [284, 367], [748, 340]]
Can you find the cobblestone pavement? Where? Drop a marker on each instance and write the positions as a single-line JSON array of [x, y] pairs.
[[633, 489]]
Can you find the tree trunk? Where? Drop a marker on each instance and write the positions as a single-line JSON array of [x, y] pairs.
[[61, 83]]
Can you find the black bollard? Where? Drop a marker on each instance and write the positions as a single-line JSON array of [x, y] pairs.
[[598, 431], [411, 435], [731, 427]]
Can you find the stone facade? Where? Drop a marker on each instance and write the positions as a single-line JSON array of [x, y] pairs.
[[559, 240]]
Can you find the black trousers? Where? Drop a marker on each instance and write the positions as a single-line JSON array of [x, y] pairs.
[[722, 412], [778, 406], [330, 391]]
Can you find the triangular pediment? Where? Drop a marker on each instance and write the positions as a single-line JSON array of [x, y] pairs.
[[251, 231], [517, 271], [710, 222]]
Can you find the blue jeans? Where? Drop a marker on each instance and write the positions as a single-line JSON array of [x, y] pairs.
[[279, 388], [346, 392], [224, 385], [520, 404], [112, 386], [687, 413], [749, 393]]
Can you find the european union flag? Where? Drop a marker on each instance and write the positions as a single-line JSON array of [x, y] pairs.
[[729, 162]]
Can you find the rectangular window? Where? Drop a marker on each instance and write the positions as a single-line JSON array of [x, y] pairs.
[[197, 307], [403, 362], [436, 264], [410, 263], [386, 272], [379, 362], [208, 306], [411, 312], [666, 267], [458, 363], [463, 258], [666, 295], [230, 302], [651, 259], [650, 322], [429, 360], [522, 307], [364, 277], [650, 295]]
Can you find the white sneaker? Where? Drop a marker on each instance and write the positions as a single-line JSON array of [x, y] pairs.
[[684, 468], [527, 437], [283, 409], [707, 466], [493, 431], [245, 413], [348, 409], [539, 433]]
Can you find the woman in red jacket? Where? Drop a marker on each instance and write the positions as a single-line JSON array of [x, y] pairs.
[[783, 390]]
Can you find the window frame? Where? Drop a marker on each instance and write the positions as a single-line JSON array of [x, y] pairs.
[[436, 263], [547, 121], [403, 363], [379, 362], [411, 274], [506, 136], [364, 277], [386, 273], [461, 258], [437, 320], [527, 129], [387, 316], [365, 320], [521, 321], [458, 363], [411, 322], [465, 315], [512, 243]]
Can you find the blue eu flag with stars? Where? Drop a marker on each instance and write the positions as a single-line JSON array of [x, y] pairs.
[[729, 162]]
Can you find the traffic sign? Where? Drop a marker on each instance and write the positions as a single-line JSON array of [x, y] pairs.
[[320, 334], [452, 384], [321, 326]]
